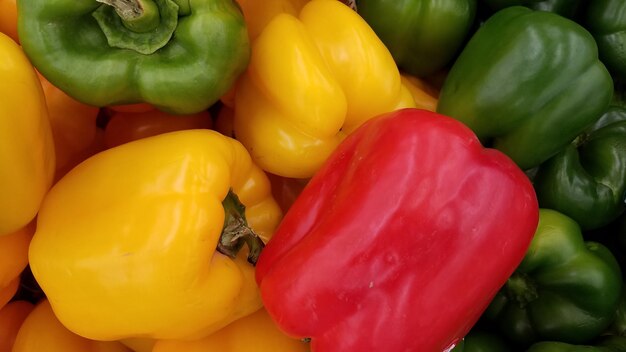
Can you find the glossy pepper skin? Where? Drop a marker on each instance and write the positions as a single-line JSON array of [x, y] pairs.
[[256, 332], [535, 91], [607, 344], [28, 159], [13, 260], [8, 18], [11, 318], [362, 259], [587, 180], [567, 8], [606, 20], [259, 13], [142, 260], [423, 36], [181, 57], [564, 290], [312, 79]]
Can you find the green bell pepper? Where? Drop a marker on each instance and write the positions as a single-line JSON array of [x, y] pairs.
[[607, 344], [564, 290], [567, 8], [618, 327], [423, 36], [482, 341], [606, 20], [587, 180], [178, 55], [528, 82]]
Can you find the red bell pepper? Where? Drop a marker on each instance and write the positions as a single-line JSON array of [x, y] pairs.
[[401, 240]]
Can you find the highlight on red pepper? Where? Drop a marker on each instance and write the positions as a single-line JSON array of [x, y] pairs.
[[409, 211]]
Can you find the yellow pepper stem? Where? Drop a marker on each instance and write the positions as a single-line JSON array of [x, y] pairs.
[[236, 231]]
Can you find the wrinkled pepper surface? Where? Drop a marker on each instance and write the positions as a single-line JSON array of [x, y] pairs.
[[606, 20], [567, 8], [256, 332], [607, 344], [423, 36], [42, 331], [178, 55], [564, 290], [313, 79], [587, 180], [534, 92], [384, 236], [27, 155], [126, 243]]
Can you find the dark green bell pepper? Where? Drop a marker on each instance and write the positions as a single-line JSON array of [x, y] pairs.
[[587, 180], [423, 36], [606, 20], [482, 341], [607, 344], [178, 55], [567, 8], [527, 83], [618, 327], [564, 290]]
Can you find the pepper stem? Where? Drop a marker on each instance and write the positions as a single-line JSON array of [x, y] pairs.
[[236, 231], [520, 288], [139, 16]]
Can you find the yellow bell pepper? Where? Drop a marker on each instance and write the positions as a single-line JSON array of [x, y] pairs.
[[13, 260], [425, 96], [27, 158], [259, 13], [126, 242], [310, 82], [42, 331], [256, 332]]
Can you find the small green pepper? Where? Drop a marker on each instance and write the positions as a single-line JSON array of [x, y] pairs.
[[606, 20], [482, 341], [567, 8], [607, 344], [587, 180], [564, 290], [422, 35], [178, 55]]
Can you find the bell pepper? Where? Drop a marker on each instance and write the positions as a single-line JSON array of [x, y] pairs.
[[424, 95], [564, 290], [259, 13], [124, 127], [74, 131], [257, 332], [27, 157], [13, 260], [606, 20], [482, 341], [179, 56], [423, 36], [384, 237], [618, 327], [11, 318], [42, 331], [126, 242], [587, 180], [312, 80], [566, 8], [8, 18], [533, 94], [608, 344]]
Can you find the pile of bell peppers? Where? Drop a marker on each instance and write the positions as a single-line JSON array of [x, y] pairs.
[[313, 175]]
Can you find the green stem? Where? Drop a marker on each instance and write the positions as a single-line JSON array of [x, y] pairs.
[[139, 16], [522, 289], [236, 231]]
